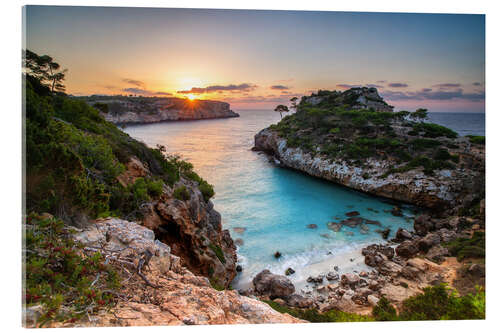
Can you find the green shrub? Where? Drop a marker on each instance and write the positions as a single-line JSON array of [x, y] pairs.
[[313, 316], [433, 130], [435, 303], [59, 274], [477, 139], [384, 311], [218, 252], [422, 143], [464, 248], [181, 193]]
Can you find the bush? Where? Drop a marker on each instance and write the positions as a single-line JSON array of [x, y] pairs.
[[60, 275], [464, 248], [433, 130], [477, 139], [435, 303], [181, 193], [384, 311], [313, 316]]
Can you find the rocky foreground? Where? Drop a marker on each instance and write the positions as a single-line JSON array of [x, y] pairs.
[[139, 110], [167, 294]]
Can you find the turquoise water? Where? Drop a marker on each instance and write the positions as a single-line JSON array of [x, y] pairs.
[[274, 205]]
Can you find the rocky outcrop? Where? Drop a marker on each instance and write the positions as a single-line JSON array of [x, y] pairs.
[[356, 98], [191, 227], [180, 297], [445, 188], [133, 110]]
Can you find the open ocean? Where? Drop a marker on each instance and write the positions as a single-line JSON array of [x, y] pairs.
[[274, 205]]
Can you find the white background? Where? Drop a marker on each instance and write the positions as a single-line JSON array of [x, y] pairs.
[[11, 159]]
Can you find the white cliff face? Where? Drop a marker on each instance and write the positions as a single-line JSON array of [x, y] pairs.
[[445, 188], [165, 109]]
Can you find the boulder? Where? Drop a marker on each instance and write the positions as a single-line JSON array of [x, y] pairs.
[[372, 300], [350, 280], [299, 301], [409, 272], [352, 222], [422, 224], [376, 254], [266, 283], [315, 279], [334, 226], [437, 253], [403, 234], [425, 243], [289, 271], [277, 254], [407, 249], [396, 211], [384, 233], [331, 276], [390, 268], [353, 213], [239, 268], [447, 235], [476, 270]]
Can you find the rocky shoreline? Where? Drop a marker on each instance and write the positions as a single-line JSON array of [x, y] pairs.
[[396, 270], [446, 188]]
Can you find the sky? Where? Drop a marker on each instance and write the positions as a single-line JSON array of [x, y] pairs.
[[258, 59]]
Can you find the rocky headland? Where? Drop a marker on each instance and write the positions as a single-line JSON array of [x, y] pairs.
[[377, 151], [144, 110]]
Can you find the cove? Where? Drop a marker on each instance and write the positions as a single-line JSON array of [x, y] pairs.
[[267, 208]]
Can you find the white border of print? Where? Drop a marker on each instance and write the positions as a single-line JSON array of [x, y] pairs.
[[11, 165]]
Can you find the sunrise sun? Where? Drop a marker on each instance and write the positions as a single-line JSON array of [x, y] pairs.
[[191, 97]]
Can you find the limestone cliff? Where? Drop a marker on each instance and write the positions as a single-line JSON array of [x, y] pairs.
[[142, 110]]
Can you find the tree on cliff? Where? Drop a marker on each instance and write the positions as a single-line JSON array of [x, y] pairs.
[[419, 114], [281, 108], [294, 103], [45, 70]]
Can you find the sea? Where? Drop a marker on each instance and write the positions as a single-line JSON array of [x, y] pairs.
[[267, 209]]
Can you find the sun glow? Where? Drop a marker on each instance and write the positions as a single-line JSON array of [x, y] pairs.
[[191, 97]]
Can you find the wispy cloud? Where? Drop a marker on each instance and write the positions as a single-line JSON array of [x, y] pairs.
[[348, 86], [220, 88], [429, 94], [139, 91], [133, 82], [447, 85], [279, 87], [398, 85]]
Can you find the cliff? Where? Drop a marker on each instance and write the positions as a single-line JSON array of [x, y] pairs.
[[143, 110], [379, 152]]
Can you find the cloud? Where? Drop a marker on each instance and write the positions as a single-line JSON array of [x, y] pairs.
[[476, 84], [220, 88], [133, 82], [447, 85], [283, 98], [279, 87], [429, 94], [381, 81], [348, 86], [139, 91], [398, 85], [370, 85]]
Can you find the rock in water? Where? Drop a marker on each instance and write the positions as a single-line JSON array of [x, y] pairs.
[[312, 226], [289, 271], [277, 254], [353, 213]]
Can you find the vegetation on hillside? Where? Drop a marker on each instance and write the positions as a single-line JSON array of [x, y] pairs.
[[335, 130], [463, 248], [73, 158], [435, 303]]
